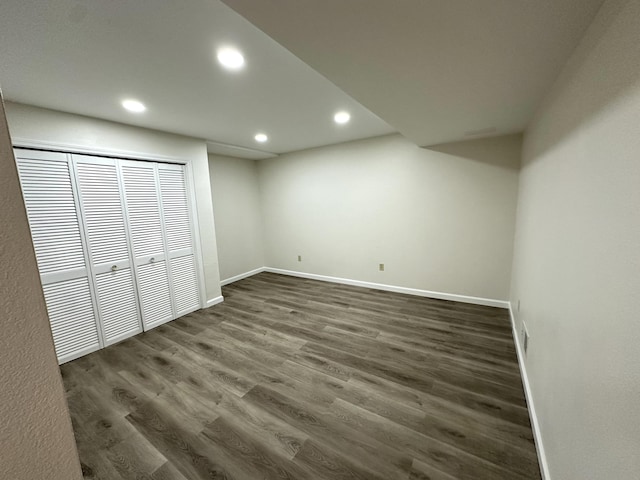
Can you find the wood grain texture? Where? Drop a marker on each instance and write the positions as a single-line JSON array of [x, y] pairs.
[[298, 379]]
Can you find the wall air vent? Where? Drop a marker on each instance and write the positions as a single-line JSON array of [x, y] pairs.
[[482, 132]]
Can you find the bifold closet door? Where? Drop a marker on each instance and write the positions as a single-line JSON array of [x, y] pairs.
[[179, 237], [102, 208], [146, 227], [49, 194], [114, 242]]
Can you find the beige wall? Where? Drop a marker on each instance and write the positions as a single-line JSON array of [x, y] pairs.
[[36, 439], [57, 128], [577, 255], [439, 219], [236, 206]]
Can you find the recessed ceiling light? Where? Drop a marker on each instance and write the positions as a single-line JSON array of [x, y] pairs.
[[261, 137], [230, 58], [342, 117], [134, 106]]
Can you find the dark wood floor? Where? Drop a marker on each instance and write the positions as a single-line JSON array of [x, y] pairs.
[[299, 379]]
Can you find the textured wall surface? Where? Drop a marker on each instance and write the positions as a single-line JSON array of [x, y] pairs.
[[49, 126], [36, 438], [577, 255], [236, 206], [440, 219]]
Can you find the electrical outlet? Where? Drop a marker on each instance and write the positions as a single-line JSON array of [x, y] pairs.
[[299, 258], [381, 267], [518, 307]]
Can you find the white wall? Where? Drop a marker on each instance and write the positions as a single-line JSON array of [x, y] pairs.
[[440, 220], [50, 127], [577, 255], [36, 438], [236, 206]]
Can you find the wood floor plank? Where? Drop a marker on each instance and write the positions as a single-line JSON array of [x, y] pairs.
[[368, 390], [135, 458], [292, 378], [424, 471], [332, 434], [330, 465], [190, 454], [247, 457], [280, 436], [455, 461], [167, 472]]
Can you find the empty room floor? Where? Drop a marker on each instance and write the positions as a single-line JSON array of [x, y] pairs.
[[298, 379]]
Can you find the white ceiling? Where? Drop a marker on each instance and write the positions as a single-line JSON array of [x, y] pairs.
[[437, 70], [84, 57]]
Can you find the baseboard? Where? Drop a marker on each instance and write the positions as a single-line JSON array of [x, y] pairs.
[[377, 286], [535, 425], [214, 301], [392, 288], [235, 278]]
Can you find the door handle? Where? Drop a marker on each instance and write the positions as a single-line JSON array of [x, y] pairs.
[[152, 260], [114, 268]]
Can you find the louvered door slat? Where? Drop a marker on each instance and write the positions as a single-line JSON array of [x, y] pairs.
[[155, 296], [72, 322], [102, 209], [51, 208], [176, 208], [143, 208], [185, 284], [118, 308]]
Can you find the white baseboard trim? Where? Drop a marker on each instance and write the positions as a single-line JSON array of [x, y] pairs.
[[392, 288], [535, 425], [235, 278], [214, 301]]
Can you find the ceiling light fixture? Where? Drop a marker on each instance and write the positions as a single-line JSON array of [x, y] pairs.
[[230, 58], [342, 118], [261, 137], [134, 106]]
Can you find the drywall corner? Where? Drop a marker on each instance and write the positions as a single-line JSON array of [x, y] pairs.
[[36, 437]]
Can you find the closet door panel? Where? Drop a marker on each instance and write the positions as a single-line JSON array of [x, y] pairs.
[[179, 235], [106, 231], [51, 202], [146, 227]]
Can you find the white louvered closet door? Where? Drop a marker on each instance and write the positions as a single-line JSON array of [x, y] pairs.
[[102, 208], [51, 203], [179, 236], [146, 226]]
